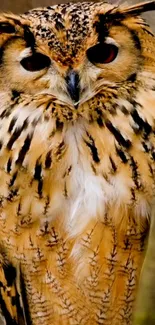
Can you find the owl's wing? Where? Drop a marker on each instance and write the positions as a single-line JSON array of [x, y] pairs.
[[11, 294]]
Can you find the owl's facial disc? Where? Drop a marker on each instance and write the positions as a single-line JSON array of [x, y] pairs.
[[68, 58]]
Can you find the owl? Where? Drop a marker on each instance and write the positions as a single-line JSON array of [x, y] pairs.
[[77, 162]]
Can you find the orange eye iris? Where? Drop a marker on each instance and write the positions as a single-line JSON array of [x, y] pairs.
[[102, 53], [35, 62]]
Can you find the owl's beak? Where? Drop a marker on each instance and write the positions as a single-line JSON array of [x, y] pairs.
[[73, 86]]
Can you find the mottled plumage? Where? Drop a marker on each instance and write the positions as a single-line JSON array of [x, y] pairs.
[[77, 162]]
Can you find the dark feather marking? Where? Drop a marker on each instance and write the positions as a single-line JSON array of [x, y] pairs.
[[29, 37], [148, 31], [100, 26], [9, 165], [37, 172], [24, 149], [15, 94], [114, 167], [53, 108], [59, 124], [100, 121], [13, 138], [91, 145], [69, 169], [13, 193], [133, 196], [10, 276], [13, 300], [65, 190], [16, 134], [127, 244], [48, 105], [135, 174], [19, 209], [5, 312], [59, 25], [122, 155], [135, 39], [124, 110], [143, 125], [5, 113], [38, 177], [40, 187], [1, 144], [48, 160], [106, 21], [118, 136], [99, 117], [145, 147], [153, 155], [60, 148], [12, 123], [13, 179], [25, 124], [132, 77], [47, 202], [10, 273], [35, 122], [151, 170], [67, 172]]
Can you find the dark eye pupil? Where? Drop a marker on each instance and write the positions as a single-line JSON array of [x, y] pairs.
[[35, 62], [102, 53], [6, 28]]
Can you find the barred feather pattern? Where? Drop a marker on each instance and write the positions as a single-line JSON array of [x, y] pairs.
[[76, 183]]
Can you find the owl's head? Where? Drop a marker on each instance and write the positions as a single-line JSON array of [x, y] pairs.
[[75, 51]]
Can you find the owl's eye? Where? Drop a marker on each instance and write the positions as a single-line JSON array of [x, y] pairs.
[[6, 28], [35, 62], [102, 53]]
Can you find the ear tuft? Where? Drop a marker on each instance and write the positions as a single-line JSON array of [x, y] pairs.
[[139, 8]]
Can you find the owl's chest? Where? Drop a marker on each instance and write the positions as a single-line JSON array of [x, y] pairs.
[[76, 177], [74, 219], [89, 181]]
